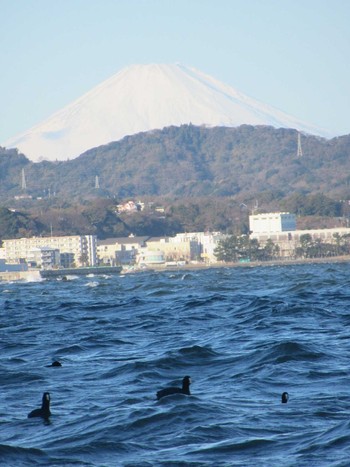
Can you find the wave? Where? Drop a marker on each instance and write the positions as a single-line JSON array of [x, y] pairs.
[[92, 284], [252, 445], [283, 352], [19, 377], [200, 302], [183, 357], [244, 335], [71, 350]]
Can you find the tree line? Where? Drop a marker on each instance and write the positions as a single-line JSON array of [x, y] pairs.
[[99, 216], [243, 248]]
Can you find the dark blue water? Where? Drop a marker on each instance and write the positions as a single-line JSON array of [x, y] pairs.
[[244, 335]]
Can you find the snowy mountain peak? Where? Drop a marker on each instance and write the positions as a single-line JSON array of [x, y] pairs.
[[142, 98]]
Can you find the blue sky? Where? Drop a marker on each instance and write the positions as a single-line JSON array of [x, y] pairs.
[[291, 54]]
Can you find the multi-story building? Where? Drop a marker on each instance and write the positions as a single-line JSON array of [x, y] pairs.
[[182, 247], [272, 222], [280, 228], [193, 246], [83, 247], [44, 257], [209, 242], [119, 250], [178, 248]]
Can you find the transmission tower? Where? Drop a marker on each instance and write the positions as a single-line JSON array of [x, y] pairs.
[[23, 182], [97, 183], [299, 151], [255, 208]]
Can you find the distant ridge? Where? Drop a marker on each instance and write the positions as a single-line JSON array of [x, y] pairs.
[[141, 98], [190, 161]]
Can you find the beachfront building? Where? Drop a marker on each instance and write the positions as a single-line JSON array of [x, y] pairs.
[[5, 267], [121, 250], [147, 257], [188, 247], [44, 257], [273, 222], [209, 242], [183, 247], [82, 247], [280, 228]]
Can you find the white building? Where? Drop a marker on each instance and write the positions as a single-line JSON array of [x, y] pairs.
[[119, 250], [83, 247], [280, 228], [148, 257], [209, 242], [182, 247], [194, 246], [272, 222]]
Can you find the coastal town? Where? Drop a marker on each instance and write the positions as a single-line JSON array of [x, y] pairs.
[[274, 234]]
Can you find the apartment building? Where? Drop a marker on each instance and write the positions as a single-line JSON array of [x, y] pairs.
[[190, 246], [119, 250], [195, 246], [175, 248], [44, 257], [82, 247]]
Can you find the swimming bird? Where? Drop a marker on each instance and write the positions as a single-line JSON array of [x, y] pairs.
[[55, 363], [175, 390], [285, 397], [44, 412]]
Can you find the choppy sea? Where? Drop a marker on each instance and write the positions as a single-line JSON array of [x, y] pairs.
[[243, 335]]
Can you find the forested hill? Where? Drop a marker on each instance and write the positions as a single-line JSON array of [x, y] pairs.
[[190, 161]]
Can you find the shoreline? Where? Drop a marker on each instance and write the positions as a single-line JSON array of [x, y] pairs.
[[251, 264], [34, 275]]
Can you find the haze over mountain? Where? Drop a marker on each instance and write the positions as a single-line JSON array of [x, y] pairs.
[[142, 98]]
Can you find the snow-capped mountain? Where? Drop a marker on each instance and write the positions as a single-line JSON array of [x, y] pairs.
[[142, 98]]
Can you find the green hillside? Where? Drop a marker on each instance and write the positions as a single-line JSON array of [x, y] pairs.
[[205, 178], [190, 161]]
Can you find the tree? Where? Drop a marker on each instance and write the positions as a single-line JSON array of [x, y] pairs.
[[16, 224], [270, 250], [227, 249], [242, 247], [84, 259]]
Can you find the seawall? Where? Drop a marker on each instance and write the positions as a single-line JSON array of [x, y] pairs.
[[10, 276]]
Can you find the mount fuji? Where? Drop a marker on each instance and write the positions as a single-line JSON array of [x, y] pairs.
[[142, 98]]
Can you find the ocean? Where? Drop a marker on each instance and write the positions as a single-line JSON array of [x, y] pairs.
[[243, 335]]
